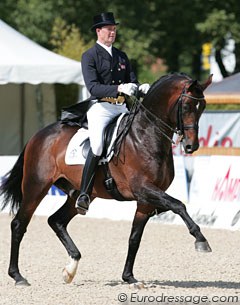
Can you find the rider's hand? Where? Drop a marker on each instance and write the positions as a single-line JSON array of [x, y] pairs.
[[128, 89], [144, 88]]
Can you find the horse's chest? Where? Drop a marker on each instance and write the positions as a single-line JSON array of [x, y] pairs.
[[164, 173]]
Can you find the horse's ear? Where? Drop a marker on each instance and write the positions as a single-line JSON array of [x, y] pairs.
[[207, 82], [192, 85]]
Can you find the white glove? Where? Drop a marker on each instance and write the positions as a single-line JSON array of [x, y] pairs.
[[144, 88], [128, 89]]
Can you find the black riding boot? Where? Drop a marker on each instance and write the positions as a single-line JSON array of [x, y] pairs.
[[87, 182]]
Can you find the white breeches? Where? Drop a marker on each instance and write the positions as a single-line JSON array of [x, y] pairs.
[[99, 116]]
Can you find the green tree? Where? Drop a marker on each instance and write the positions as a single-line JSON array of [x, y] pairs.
[[168, 29], [220, 25], [6, 9], [67, 40], [34, 19]]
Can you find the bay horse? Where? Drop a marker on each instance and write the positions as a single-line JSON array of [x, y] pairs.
[[142, 170]]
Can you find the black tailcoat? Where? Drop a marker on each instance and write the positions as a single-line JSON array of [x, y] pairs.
[[102, 74]]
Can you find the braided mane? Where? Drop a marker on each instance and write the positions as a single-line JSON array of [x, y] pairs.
[[167, 76]]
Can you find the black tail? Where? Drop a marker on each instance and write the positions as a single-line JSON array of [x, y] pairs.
[[11, 186]]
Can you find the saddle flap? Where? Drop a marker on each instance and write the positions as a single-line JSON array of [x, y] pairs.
[[79, 144]]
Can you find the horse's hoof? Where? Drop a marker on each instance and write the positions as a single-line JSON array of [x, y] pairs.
[[22, 283], [81, 211], [67, 277], [137, 285], [202, 246]]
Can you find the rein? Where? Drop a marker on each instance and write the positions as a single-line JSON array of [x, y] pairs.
[[165, 125], [161, 124], [179, 130]]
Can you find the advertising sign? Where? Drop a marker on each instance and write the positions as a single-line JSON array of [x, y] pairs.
[[219, 129], [215, 191]]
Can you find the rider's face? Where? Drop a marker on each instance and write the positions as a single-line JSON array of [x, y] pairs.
[[107, 34]]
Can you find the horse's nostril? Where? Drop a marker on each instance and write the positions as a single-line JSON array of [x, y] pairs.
[[189, 148]]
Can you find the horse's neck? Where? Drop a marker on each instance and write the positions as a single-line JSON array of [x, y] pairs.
[[160, 106], [160, 109], [149, 132]]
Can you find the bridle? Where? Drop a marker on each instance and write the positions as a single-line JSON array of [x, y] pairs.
[[180, 125], [162, 126]]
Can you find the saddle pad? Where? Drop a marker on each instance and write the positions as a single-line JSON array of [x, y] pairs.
[[74, 155]]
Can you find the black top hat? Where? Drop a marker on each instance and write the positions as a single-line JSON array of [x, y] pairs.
[[102, 20]]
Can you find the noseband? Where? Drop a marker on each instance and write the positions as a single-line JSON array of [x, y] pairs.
[[179, 130], [180, 124]]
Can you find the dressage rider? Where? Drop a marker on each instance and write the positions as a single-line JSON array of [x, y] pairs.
[[108, 76]]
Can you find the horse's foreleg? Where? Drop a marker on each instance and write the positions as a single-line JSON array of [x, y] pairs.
[[163, 201], [139, 222], [58, 222], [201, 244]]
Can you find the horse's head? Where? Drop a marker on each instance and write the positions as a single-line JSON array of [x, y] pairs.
[[191, 104], [175, 103]]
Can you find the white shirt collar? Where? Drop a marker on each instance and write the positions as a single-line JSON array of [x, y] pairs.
[[108, 49]]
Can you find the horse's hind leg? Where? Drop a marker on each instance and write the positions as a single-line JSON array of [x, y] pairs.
[[18, 228], [31, 199], [58, 222], [140, 219]]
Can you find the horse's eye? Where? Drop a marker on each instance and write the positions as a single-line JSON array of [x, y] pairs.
[[186, 107]]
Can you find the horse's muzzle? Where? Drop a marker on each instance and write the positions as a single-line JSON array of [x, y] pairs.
[[190, 148]]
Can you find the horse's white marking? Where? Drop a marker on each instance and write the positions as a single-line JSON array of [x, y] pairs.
[[70, 270], [138, 285]]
